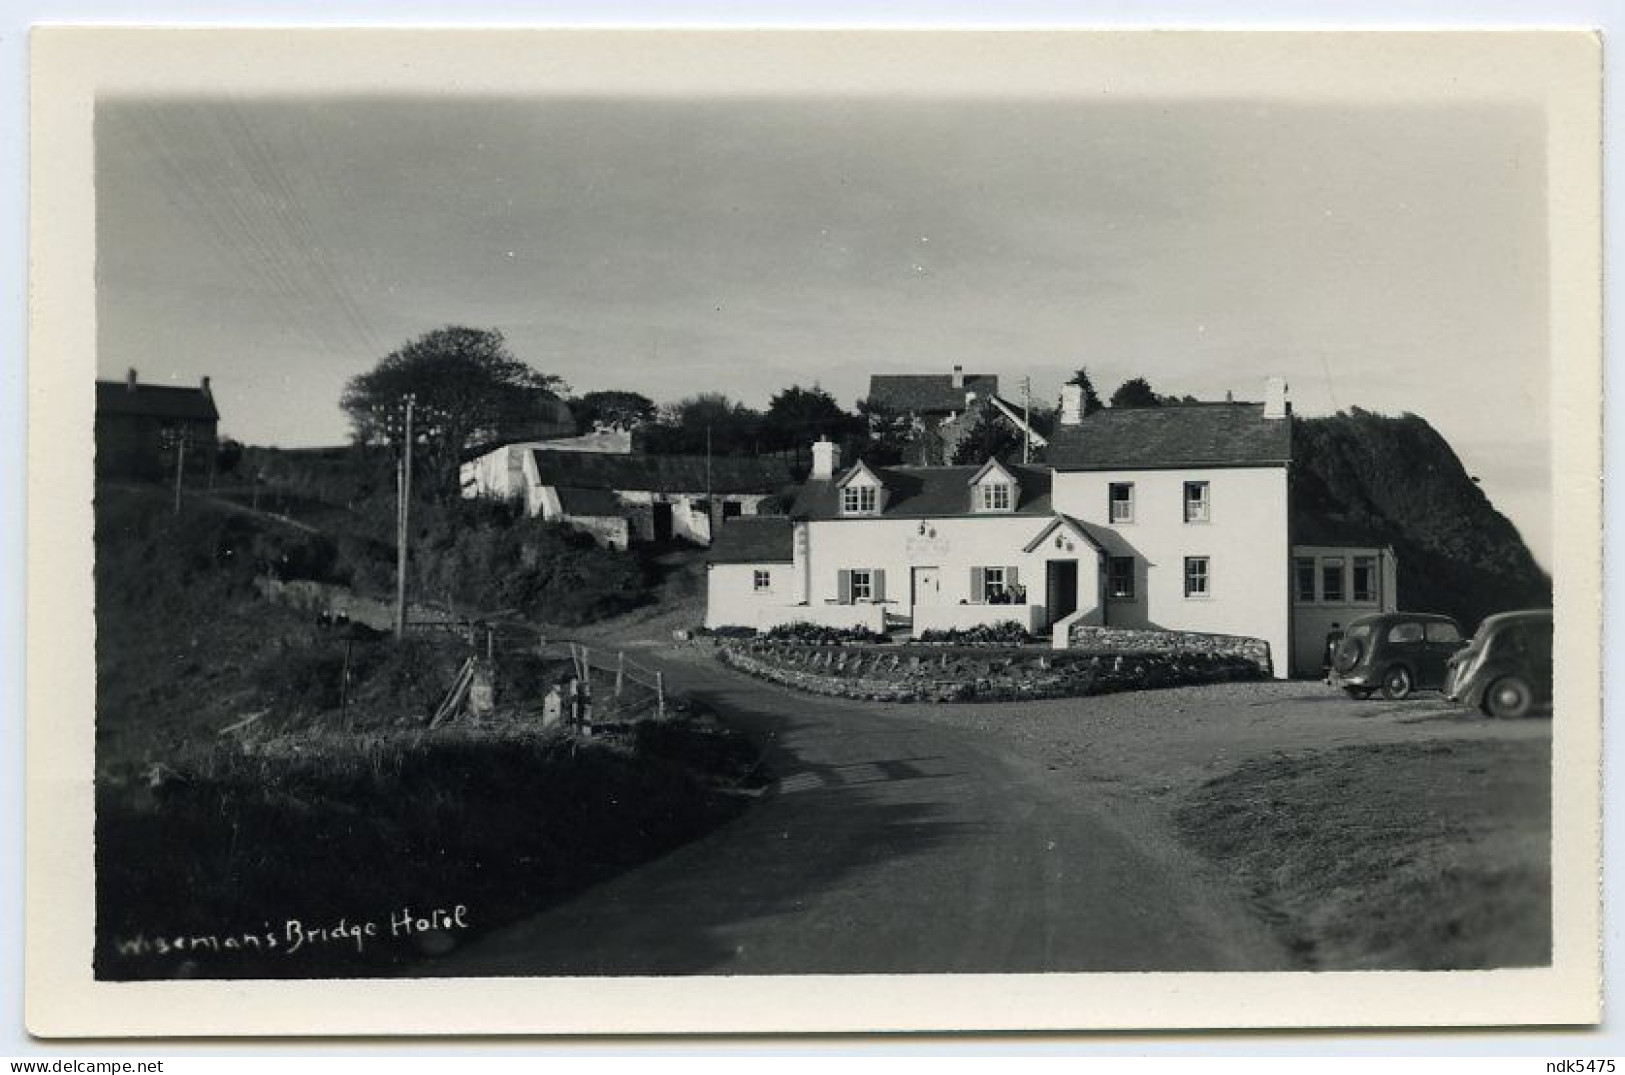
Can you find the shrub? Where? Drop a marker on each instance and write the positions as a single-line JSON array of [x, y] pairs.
[[728, 631], [818, 634], [1008, 633]]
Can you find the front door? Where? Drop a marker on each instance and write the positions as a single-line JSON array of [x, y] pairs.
[[1060, 589], [662, 522], [927, 587]]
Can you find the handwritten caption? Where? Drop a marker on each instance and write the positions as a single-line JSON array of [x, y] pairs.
[[297, 935]]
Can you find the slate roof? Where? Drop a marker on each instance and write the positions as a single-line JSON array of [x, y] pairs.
[[928, 393], [659, 473], [589, 502], [753, 539], [155, 401], [926, 493], [1186, 435]]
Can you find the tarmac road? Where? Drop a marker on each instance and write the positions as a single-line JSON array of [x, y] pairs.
[[889, 844]]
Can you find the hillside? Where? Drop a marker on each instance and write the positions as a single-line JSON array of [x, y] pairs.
[[1362, 477]]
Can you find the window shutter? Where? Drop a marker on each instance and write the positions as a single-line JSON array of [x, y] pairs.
[[844, 587], [1011, 578], [978, 586], [880, 584]]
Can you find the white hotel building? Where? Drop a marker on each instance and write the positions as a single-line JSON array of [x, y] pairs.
[[1171, 518]]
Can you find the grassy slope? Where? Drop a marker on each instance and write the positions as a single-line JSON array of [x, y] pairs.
[[295, 817], [1397, 856]]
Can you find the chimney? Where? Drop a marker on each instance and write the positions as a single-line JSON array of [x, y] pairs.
[[1071, 404], [1275, 401], [206, 389], [826, 457], [129, 380], [959, 378]]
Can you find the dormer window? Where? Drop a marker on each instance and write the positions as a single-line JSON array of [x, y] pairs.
[[993, 488], [859, 500], [862, 491]]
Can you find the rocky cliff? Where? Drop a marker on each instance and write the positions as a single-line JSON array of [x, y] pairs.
[[1366, 478]]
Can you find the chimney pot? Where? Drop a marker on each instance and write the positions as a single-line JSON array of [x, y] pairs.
[[129, 380], [206, 390], [1275, 398], [1071, 404], [826, 457]]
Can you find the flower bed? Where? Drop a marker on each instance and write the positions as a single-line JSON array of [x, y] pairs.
[[818, 634], [1008, 633], [970, 673]]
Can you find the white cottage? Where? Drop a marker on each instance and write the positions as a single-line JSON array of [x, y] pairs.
[[1172, 518], [619, 498]]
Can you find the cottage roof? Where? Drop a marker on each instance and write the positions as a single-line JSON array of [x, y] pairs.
[[928, 393], [589, 502], [660, 473], [927, 492], [155, 401], [753, 539], [1182, 435]]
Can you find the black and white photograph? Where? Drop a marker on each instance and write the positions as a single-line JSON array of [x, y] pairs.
[[894, 508]]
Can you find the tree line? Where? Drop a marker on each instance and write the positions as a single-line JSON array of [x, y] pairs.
[[469, 389]]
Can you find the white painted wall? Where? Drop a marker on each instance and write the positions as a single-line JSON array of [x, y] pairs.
[[610, 531], [1312, 619], [498, 473], [953, 546], [1244, 539], [731, 597]]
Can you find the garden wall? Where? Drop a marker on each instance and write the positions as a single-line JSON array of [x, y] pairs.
[[1130, 641], [969, 674]]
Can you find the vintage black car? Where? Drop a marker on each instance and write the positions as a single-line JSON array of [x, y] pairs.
[[1397, 653], [1506, 671]]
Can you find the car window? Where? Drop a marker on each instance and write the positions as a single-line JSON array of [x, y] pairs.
[[1405, 632], [1531, 641], [1359, 631], [1443, 632]]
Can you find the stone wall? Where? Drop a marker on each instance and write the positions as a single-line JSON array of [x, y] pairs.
[[1130, 641], [374, 612], [969, 674]]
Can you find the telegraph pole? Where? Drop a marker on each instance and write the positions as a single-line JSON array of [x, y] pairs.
[[1026, 419], [397, 424], [403, 521], [176, 438]]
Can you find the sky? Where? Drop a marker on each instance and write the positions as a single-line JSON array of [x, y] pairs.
[[1390, 258]]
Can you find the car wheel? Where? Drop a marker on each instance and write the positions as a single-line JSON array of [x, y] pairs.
[[1396, 684], [1509, 697], [1359, 694]]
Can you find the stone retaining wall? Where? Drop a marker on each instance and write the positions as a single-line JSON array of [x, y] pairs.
[[330, 597], [1130, 641], [969, 674]]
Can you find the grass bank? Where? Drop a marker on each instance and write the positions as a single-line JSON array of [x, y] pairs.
[[1392, 856], [266, 860], [269, 802]]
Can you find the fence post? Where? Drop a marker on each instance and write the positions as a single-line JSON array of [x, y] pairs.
[[660, 694], [620, 671]]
